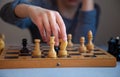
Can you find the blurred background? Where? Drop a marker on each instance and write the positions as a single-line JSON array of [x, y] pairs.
[[109, 24]]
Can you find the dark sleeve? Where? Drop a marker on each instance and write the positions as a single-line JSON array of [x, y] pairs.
[[8, 15], [90, 17], [87, 17], [88, 20]]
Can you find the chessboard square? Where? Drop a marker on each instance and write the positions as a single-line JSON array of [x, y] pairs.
[[74, 53], [24, 57], [100, 54], [45, 51], [76, 45], [96, 49], [36, 56], [11, 57], [87, 54], [77, 57], [93, 56], [72, 49], [14, 47], [24, 54], [45, 47], [12, 52]]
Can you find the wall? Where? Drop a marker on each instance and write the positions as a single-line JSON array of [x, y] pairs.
[[109, 24], [13, 34], [109, 21]]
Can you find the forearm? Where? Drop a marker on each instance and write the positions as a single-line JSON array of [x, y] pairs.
[[21, 10], [87, 5]]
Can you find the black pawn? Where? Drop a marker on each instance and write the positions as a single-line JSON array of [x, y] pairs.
[[117, 40], [57, 48], [24, 44], [117, 49], [111, 45], [114, 47], [118, 53]]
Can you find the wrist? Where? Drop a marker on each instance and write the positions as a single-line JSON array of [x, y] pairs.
[[87, 5], [22, 10], [27, 9]]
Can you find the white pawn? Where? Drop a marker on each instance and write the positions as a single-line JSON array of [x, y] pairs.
[[2, 43], [82, 48], [70, 44], [63, 52], [90, 45], [52, 52], [37, 51]]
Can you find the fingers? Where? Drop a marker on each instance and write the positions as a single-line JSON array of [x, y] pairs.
[[41, 28], [47, 27], [61, 26], [49, 22], [54, 27], [52, 23]]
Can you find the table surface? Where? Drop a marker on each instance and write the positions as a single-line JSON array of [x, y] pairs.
[[63, 72]]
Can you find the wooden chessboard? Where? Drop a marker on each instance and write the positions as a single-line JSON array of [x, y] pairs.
[[11, 58]]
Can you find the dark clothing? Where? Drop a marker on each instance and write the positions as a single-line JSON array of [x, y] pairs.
[[82, 22]]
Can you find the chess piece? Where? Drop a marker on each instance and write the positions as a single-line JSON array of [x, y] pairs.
[[90, 45], [63, 52], [117, 40], [70, 44], [37, 51], [118, 53], [2, 43], [82, 48], [24, 48], [114, 47], [60, 40], [52, 52], [2, 36], [57, 48]]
